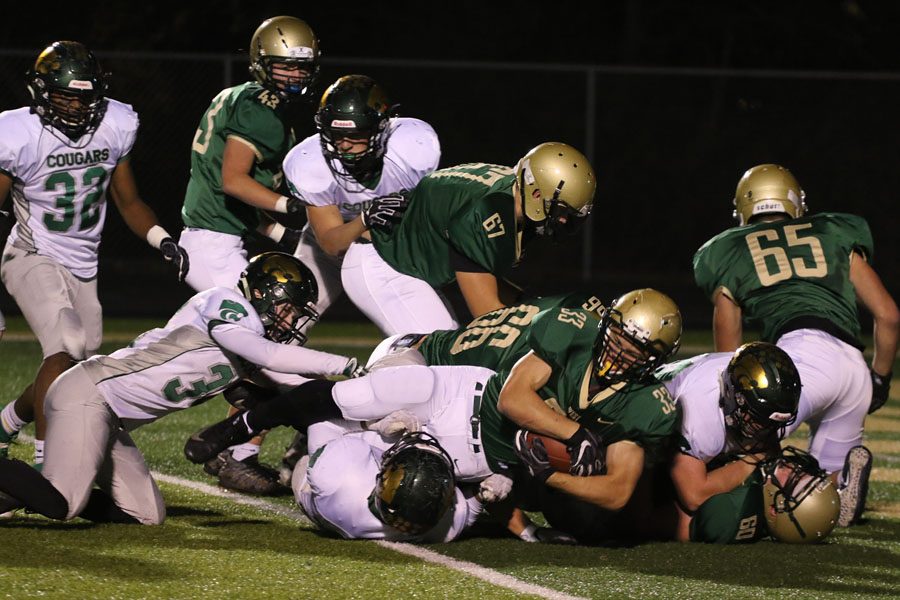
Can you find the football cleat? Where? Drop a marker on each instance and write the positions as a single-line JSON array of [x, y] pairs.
[[293, 453], [854, 485], [8, 505], [5, 440], [250, 477], [207, 443], [214, 465]]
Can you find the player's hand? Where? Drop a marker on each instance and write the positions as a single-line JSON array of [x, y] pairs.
[[385, 212], [587, 453], [881, 389], [294, 206], [399, 421], [494, 488], [533, 457], [354, 369], [176, 255]]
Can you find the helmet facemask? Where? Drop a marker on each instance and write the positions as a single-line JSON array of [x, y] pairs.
[[623, 351], [800, 501], [283, 292], [357, 167], [415, 486], [285, 43], [67, 88]]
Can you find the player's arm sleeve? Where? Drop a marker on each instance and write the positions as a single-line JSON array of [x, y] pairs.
[[856, 229], [11, 149], [257, 126], [425, 147], [553, 337], [277, 357], [704, 273], [127, 131]]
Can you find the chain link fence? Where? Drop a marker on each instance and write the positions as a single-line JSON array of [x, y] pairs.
[[668, 146]]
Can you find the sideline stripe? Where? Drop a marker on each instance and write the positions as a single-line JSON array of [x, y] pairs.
[[475, 570]]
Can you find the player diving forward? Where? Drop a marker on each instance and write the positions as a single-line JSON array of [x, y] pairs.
[[216, 338]]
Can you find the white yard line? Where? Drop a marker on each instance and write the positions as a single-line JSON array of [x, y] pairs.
[[467, 568]]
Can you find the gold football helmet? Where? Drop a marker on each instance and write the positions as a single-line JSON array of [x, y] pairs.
[[638, 332], [557, 185], [287, 42], [801, 504], [767, 189]]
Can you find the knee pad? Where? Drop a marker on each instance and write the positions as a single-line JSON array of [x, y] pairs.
[[382, 392]]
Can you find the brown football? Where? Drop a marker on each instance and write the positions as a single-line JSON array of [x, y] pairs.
[[556, 451]]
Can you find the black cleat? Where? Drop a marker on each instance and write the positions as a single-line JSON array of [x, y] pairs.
[[215, 464], [854, 485], [207, 443], [250, 477]]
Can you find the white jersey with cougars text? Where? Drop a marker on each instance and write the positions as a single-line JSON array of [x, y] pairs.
[[214, 339], [696, 389], [338, 486], [59, 185], [413, 151]]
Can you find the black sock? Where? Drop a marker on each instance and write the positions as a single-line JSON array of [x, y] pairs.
[[300, 407], [102, 509], [27, 485]]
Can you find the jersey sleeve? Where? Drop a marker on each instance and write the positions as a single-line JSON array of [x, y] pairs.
[[658, 418], [126, 125], [486, 233], [557, 333], [419, 144], [705, 273], [307, 174], [853, 232], [13, 145], [257, 125]]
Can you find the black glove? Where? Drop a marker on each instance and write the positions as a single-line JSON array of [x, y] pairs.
[[176, 255], [534, 457], [881, 389], [587, 453], [245, 395], [295, 206], [385, 212]]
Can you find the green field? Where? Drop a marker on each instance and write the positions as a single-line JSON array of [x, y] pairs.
[[217, 544]]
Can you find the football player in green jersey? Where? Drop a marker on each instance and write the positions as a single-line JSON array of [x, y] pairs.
[[469, 223], [580, 382], [236, 159], [799, 278]]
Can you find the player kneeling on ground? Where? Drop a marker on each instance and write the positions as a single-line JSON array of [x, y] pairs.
[[205, 347]]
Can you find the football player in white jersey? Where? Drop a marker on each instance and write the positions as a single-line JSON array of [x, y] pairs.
[[58, 157], [218, 337], [345, 174], [405, 493]]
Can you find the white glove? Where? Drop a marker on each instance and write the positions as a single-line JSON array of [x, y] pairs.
[[397, 422], [546, 535], [494, 488]]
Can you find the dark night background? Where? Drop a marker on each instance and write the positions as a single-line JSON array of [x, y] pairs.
[[672, 100]]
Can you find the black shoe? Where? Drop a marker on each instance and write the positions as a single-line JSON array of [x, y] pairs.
[[215, 464], [8, 504], [207, 443], [250, 476], [293, 453]]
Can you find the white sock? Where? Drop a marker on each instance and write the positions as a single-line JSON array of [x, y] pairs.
[[38, 452], [9, 420], [243, 451]]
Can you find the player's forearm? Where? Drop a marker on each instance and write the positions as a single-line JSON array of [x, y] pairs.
[[277, 357], [527, 410], [139, 217], [886, 334], [336, 240], [249, 191], [601, 490], [719, 481]]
